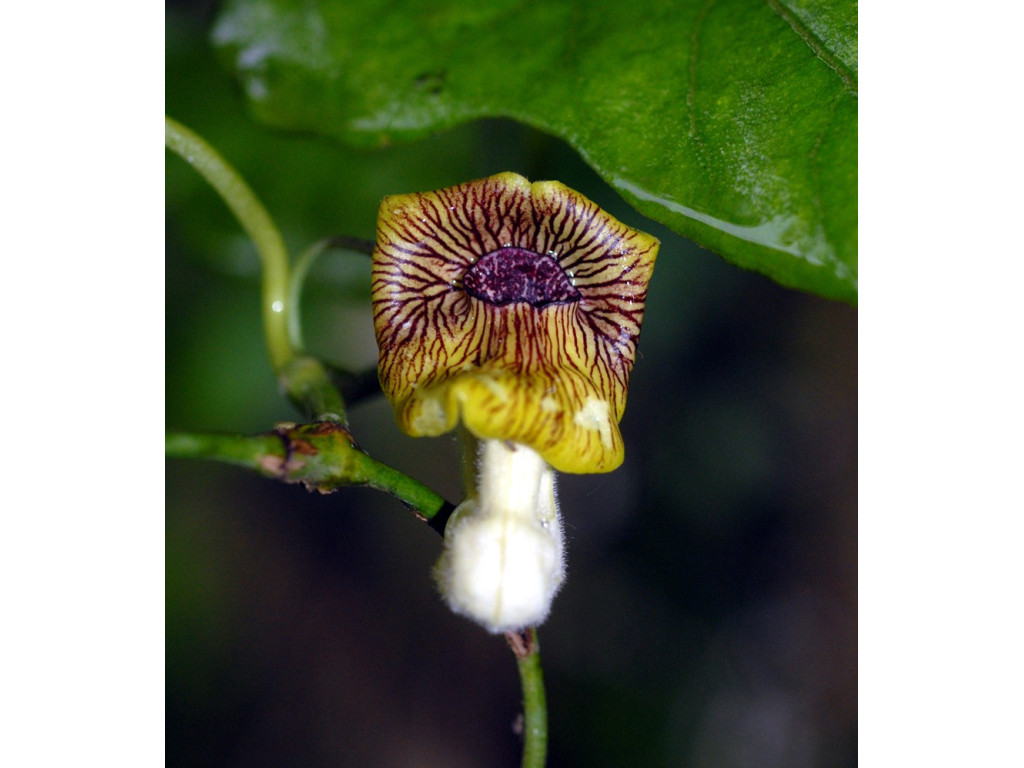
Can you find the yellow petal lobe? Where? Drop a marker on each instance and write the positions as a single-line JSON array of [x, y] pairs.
[[540, 349]]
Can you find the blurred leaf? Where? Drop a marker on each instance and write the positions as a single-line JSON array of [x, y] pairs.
[[732, 122]]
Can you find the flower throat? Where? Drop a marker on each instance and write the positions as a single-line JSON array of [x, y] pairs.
[[509, 275]]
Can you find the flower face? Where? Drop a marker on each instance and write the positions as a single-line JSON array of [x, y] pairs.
[[516, 306]]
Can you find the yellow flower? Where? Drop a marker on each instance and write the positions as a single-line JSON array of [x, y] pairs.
[[515, 307]]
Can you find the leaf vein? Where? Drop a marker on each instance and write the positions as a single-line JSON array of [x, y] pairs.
[[816, 44]]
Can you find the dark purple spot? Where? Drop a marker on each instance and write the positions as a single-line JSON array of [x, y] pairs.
[[516, 274]]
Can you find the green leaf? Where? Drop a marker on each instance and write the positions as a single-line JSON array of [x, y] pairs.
[[733, 122]]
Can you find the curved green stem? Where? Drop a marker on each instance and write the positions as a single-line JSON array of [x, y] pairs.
[[304, 379], [303, 264], [258, 225]]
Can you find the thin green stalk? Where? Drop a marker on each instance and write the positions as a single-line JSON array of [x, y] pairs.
[[307, 383], [251, 452], [257, 224], [526, 647], [321, 456], [430, 506], [304, 379], [303, 264]]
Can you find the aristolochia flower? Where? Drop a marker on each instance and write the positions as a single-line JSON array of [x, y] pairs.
[[516, 308]]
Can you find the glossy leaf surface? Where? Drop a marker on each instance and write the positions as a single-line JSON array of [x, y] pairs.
[[733, 122]]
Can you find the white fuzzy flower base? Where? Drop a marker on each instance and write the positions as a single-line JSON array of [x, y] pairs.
[[503, 561]]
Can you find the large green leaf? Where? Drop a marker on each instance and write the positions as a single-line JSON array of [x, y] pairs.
[[733, 122]]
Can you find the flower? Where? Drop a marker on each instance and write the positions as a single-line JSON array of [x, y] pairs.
[[516, 305], [516, 308]]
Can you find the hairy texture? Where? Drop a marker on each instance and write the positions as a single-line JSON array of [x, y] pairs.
[[516, 306]]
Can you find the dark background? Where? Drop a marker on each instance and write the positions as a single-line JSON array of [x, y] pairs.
[[709, 617]]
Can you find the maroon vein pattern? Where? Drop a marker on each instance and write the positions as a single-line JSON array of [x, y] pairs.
[[553, 376]]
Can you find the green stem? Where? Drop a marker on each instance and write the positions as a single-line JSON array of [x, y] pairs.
[[303, 264], [308, 385], [257, 224], [250, 452], [304, 379], [535, 711], [322, 456]]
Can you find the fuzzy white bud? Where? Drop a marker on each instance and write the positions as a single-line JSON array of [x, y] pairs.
[[503, 560]]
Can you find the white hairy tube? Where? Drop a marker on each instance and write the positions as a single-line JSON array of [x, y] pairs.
[[503, 561]]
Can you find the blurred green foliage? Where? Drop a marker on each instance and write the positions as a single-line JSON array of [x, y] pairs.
[[709, 617]]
